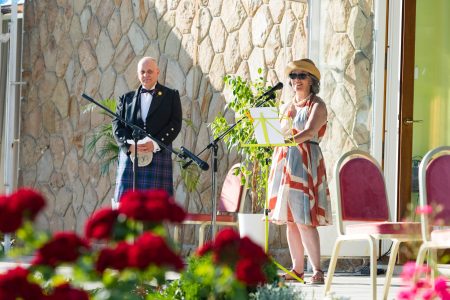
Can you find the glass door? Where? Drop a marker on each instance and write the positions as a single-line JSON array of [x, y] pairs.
[[431, 108]]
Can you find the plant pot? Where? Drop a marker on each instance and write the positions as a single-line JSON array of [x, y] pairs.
[[252, 226]]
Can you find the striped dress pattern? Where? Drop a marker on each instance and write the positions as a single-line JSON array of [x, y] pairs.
[[298, 188]]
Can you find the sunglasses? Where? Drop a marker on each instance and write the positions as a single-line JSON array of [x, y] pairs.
[[301, 76]]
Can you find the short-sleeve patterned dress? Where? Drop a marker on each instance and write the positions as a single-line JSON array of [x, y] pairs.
[[298, 188]]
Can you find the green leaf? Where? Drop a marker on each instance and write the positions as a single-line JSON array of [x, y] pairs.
[[245, 92]]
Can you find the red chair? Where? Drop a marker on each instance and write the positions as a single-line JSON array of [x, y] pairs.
[[434, 190], [230, 203], [361, 196]]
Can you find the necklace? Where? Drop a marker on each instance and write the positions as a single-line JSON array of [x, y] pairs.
[[302, 102]]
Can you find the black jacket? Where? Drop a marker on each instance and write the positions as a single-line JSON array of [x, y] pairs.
[[163, 120]]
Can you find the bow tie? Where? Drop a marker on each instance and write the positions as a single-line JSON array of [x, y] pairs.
[[147, 91]]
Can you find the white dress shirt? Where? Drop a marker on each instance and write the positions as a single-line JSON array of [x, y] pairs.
[[146, 101]]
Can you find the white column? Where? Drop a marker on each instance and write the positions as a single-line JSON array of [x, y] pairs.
[[10, 109]]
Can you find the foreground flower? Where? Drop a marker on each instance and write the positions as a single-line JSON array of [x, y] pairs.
[[240, 254], [65, 247], [113, 258], [100, 226], [410, 271], [132, 264], [15, 285], [28, 202], [151, 206], [66, 292], [152, 249], [10, 220], [424, 210], [22, 205], [422, 288], [250, 272]]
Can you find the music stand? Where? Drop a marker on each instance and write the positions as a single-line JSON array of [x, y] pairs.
[[269, 133]]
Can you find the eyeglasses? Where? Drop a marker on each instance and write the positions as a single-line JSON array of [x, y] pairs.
[[301, 76]]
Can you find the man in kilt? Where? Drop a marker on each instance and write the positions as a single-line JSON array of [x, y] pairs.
[[156, 109]]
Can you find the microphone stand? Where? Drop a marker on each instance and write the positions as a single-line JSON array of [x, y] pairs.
[[137, 133], [213, 145]]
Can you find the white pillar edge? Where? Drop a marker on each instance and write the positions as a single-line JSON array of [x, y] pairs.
[[10, 108], [391, 146]]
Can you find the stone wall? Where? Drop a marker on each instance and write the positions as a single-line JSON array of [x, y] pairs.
[[77, 46], [346, 65]]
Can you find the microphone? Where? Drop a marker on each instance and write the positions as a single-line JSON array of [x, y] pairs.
[[276, 87], [202, 164]]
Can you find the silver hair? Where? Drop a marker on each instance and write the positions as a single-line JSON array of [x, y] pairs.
[[315, 86]]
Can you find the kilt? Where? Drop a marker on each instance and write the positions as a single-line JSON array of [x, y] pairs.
[[157, 175]]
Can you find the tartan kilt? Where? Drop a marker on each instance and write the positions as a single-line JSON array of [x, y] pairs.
[[157, 175]]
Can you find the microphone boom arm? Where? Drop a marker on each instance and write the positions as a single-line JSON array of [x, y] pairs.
[[269, 95], [136, 128]]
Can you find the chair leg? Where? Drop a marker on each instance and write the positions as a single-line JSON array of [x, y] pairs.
[[373, 267], [201, 234], [433, 263], [176, 233], [421, 255], [390, 269], [332, 266]]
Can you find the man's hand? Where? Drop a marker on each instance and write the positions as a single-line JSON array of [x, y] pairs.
[[147, 147], [143, 148]]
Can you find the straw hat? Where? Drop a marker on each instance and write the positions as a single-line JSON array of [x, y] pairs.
[[304, 64]]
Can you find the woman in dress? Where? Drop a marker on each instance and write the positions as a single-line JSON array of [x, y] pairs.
[[298, 188]]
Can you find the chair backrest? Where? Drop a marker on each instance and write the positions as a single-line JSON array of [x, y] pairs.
[[360, 188], [434, 187], [233, 191]]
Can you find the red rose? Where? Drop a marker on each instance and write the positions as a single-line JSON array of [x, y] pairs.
[[157, 195], [248, 249], [14, 285], [225, 237], [100, 226], [226, 246], [27, 202], [10, 220], [64, 247], [157, 210], [66, 292], [132, 205], [152, 249], [153, 206], [249, 272], [176, 212], [205, 248], [116, 258]]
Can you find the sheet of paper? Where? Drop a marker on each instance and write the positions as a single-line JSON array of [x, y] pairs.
[[267, 125]]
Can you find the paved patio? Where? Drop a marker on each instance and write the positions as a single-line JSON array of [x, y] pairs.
[[348, 285]]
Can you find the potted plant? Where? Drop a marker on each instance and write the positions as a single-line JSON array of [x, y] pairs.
[[255, 160]]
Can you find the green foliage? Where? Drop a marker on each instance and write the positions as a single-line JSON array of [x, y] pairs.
[[204, 280], [277, 292], [256, 159], [190, 176], [102, 140]]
